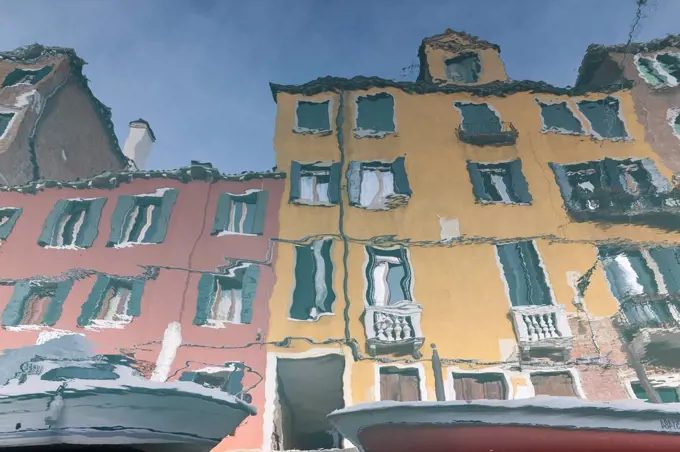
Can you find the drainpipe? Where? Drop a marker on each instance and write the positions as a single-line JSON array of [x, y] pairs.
[[635, 363], [438, 376]]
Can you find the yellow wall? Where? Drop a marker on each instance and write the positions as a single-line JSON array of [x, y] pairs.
[[465, 306]]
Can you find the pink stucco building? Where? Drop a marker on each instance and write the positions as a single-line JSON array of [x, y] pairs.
[[164, 273]]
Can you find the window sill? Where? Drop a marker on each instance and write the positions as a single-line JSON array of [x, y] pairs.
[[502, 203], [246, 234], [313, 319], [362, 133], [219, 325], [128, 244], [99, 324], [318, 132], [64, 247], [25, 327], [302, 202], [597, 137], [391, 202], [558, 131]]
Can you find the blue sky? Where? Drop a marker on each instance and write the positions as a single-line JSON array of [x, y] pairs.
[[198, 70]]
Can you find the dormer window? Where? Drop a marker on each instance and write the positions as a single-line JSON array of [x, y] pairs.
[[464, 68]]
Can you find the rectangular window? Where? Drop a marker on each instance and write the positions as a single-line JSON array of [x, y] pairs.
[[559, 118], [559, 384], [524, 275], [313, 295], [375, 115], [241, 214], [5, 120], [227, 298], [378, 185], [388, 273], [312, 117], [649, 71], [72, 223], [464, 68], [604, 119], [670, 63], [400, 384], [479, 386], [667, 395], [478, 119], [36, 303], [141, 218], [227, 379], [113, 302], [26, 76], [499, 182], [315, 183], [8, 218]]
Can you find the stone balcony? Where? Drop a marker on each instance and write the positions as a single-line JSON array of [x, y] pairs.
[[394, 329], [542, 329]]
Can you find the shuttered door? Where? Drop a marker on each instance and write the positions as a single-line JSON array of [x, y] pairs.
[[479, 386], [554, 384], [401, 385]]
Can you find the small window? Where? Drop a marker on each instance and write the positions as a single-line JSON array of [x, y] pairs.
[[26, 76], [559, 384], [229, 298], [72, 223], [559, 118], [5, 121], [315, 183], [670, 63], [312, 117], [464, 68], [524, 275], [649, 72], [313, 295], [479, 386], [400, 384], [388, 274], [35, 303], [479, 119], [141, 218], [604, 119], [378, 185], [675, 122], [113, 302], [228, 379], [499, 182], [667, 395], [375, 115], [240, 214], [8, 218]]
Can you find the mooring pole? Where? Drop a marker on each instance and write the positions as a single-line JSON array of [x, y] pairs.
[[438, 376]]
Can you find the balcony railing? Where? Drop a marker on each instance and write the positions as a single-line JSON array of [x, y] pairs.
[[542, 327], [394, 328], [488, 133]]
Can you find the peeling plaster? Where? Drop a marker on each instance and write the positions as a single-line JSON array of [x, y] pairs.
[[450, 228]]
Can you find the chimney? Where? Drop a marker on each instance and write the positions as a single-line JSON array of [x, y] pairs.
[[139, 142]]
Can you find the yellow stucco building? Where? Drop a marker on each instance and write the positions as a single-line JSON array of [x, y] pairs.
[[465, 210]]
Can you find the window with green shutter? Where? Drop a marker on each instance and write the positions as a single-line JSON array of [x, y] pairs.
[[388, 274], [312, 117], [559, 118], [313, 295], [229, 298], [604, 119], [26, 76], [374, 115], [142, 218], [649, 71], [670, 63], [526, 280], [315, 184], [8, 218], [5, 120], [378, 185], [113, 302], [464, 68], [499, 182], [241, 214], [72, 223], [667, 395], [36, 303]]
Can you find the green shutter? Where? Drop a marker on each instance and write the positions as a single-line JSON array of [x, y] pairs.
[[563, 183], [57, 303], [91, 307], [5, 119], [660, 183], [328, 277], [519, 182], [295, 168], [47, 237], [14, 311], [204, 301], [669, 264], [525, 277], [89, 230], [234, 384], [354, 182], [123, 208], [222, 214], [248, 292], [400, 177], [135, 305], [260, 213], [6, 229], [478, 188], [13, 77], [611, 167], [304, 292], [41, 73], [158, 235], [335, 183]]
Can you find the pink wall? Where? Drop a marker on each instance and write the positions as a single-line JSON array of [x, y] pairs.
[[169, 298]]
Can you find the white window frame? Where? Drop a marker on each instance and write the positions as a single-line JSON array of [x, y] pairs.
[[362, 133], [578, 388], [449, 387], [422, 387], [367, 259], [76, 231], [671, 81], [11, 122], [118, 321], [662, 381], [224, 232], [128, 227], [327, 171], [305, 130]]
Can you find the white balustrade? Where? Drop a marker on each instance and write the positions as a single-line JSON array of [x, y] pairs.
[[538, 326], [394, 324]]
